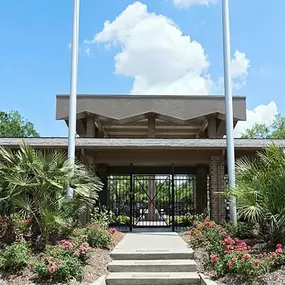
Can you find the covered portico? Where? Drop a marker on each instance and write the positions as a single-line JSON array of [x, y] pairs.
[[150, 122], [171, 140]]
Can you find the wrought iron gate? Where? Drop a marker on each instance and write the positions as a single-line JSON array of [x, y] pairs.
[[152, 200]]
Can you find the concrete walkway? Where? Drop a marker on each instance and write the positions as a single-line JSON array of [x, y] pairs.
[[152, 258], [152, 245]]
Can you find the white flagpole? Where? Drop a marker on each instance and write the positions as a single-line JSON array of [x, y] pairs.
[[73, 89], [229, 107]]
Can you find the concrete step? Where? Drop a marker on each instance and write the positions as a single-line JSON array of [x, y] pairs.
[[154, 278], [181, 265], [140, 254]]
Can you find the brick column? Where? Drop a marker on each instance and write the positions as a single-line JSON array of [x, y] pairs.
[[201, 189], [217, 187]]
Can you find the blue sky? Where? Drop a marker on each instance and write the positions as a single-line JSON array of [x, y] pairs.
[[150, 35]]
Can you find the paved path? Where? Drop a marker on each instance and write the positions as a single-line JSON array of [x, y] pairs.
[[159, 245], [152, 258]]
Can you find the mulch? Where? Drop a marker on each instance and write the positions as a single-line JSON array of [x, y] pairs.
[[96, 266], [276, 277]]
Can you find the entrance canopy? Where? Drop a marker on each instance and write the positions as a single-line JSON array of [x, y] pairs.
[[149, 116]]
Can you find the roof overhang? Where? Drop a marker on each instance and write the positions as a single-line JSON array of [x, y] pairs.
[[152, 144], [124, 109]]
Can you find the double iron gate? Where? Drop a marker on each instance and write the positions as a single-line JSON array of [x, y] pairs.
[[152, 200]]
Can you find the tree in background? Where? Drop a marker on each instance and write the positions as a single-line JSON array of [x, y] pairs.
[[261, 131], [12, 124]]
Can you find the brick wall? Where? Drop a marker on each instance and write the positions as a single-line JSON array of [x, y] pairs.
[[217, 187]]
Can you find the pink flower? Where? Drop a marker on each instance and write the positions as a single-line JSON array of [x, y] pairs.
[[247, 256], [234, 259], [52, 269], [230, 264], [257, 261], [274, 254], [279, 245], [112, 230], [279, 250], [214, 257]]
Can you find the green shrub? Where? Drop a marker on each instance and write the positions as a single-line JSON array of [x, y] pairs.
[[123, 220], [242, 230], [98, 236], [102, 216], [260, 191], [59, 269], [63, 261], [14, 257]]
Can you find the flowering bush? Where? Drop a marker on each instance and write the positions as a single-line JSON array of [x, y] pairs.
[[64, 261], [207, 234], [97, 236], [59, 269], [14, 257], [232, 255], [78, 248]]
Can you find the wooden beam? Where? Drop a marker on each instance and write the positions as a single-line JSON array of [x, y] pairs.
[[151, 127], [101, 128], [202, 128]]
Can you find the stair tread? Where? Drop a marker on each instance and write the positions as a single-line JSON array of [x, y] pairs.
[[153, 275], [154, 262]]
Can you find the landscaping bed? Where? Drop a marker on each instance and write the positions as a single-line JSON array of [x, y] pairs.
[[232, 261], [94, 267]]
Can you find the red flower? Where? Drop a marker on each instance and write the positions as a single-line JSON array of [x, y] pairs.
[[257, 261], [247, 256], [214, 257], [52, 269]]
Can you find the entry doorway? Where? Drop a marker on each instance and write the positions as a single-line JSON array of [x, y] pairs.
[[152, 200]]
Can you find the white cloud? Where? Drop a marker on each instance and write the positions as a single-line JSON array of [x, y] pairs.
[[188, 3], [262, 114], [161, 60], [155, 53], [87, 51], [240, 65]]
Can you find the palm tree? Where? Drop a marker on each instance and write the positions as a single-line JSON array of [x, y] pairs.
[[260, 191], [34, 183]]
